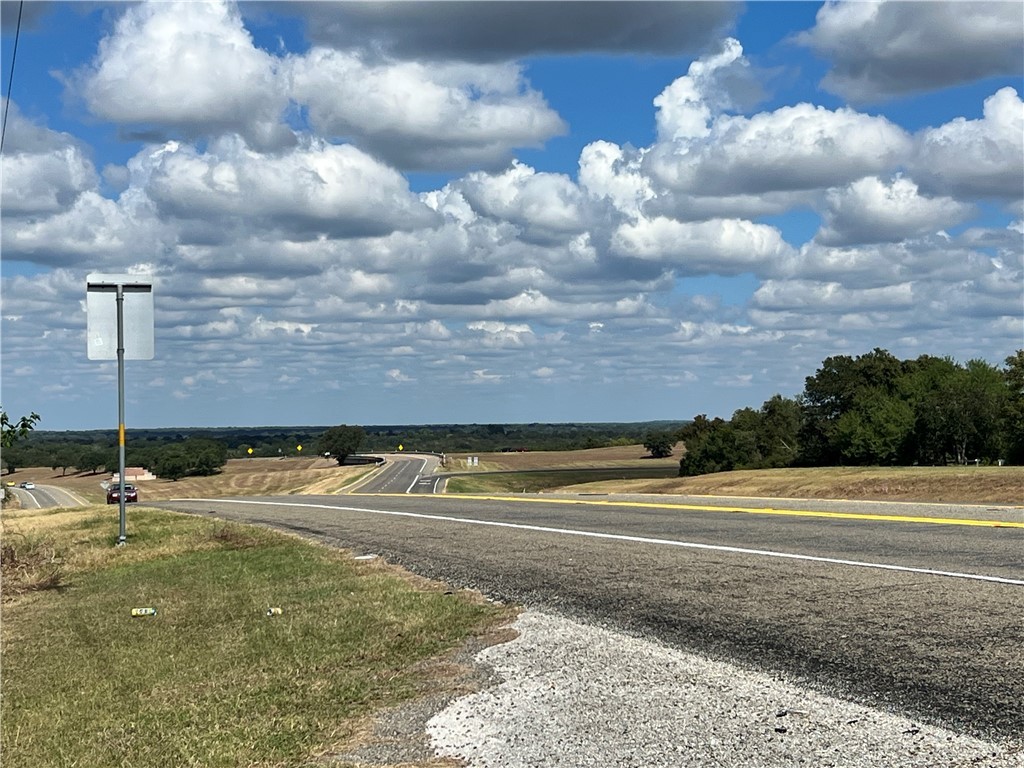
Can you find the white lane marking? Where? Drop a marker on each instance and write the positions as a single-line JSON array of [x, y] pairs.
[[23, 492], [55, 491], [635, 539], [417, 478]]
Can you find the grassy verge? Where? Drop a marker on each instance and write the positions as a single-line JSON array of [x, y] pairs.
[[211, 679]]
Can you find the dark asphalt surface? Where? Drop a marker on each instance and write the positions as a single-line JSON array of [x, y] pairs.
[[943, 649], [402, 474]]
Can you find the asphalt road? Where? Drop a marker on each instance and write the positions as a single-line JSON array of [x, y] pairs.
[[48, 496], [408, 473], [919, 609]]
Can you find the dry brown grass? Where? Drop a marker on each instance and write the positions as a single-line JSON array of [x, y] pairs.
[[967, 485], [252, 477], [240, 477], [616, 456], [29, 564]]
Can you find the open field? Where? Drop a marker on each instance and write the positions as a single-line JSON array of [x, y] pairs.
[[254, 477], [980, 485], [240, 477], [212, 678], [967, 485], [617, 456]]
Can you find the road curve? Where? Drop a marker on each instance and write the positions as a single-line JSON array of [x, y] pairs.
[[403, 473], [48, 497], [876, 608]]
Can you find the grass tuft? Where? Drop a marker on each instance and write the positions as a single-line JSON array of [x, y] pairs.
[[29, 564]]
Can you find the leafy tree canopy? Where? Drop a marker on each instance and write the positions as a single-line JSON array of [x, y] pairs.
[[341, 442]]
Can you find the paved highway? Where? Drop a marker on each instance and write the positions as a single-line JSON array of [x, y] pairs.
[[48, 496], [404, 473], [913, 607]]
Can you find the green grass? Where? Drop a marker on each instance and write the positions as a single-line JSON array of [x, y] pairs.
[[211, 680]]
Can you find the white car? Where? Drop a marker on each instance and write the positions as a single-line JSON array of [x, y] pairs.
[[28, 485]]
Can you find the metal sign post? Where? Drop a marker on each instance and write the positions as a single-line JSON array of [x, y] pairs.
[[122, 331]]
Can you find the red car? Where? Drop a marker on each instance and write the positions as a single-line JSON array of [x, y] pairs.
[[114, 494]]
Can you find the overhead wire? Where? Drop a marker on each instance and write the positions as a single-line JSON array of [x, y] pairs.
[[10, 79]]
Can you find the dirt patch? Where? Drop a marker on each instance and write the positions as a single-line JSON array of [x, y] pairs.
[[398, 736]]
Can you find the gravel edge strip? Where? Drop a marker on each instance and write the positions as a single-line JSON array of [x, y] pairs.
[[573, 694]]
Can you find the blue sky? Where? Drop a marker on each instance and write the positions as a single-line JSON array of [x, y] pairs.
[[504, 212]]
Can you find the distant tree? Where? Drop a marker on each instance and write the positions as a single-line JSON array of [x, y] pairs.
[[841, 385], [195, 456], [779, 436], [660, 444], [341, 442], [91, 459], [172, 464], [922, 387], [13, 431], [1013, 409], [714, 451], [875, 431], [13, 459], [65, 456]]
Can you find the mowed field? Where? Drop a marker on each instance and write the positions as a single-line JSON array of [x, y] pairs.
[[967, 485], [253, 477], [240, 477], [524, 461]]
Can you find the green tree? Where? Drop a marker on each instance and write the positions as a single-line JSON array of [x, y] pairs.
[[660, 444], [340, 442], [172, 464], [13, 458], [65, 456], [13, 431], [779, 437], [91, 459], [841, 385], [1012, 425], [875, 430], [193, 456], [715, 450], [922, 387]]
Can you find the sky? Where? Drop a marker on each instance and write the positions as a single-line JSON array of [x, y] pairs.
[[503, 212]]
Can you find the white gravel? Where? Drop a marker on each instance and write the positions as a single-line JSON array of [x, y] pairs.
[[578, 695]]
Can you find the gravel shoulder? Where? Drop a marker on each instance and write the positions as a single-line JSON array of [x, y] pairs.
[[573, 694]]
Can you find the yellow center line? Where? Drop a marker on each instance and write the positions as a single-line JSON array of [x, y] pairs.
[[729, 509]]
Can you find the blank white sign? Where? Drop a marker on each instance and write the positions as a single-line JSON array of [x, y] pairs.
[[101, 308]]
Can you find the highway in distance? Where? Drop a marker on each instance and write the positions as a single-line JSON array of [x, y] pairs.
[[914, 607]]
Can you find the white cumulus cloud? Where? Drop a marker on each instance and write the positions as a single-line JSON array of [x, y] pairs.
[[443, 115], [187, 67]]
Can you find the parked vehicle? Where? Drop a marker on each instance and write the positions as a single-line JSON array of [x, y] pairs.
[[114, 494]]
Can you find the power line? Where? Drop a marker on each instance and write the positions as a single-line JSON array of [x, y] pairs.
[[10, 80]]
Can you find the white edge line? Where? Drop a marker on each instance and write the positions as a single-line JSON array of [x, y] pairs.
[[636, 539]]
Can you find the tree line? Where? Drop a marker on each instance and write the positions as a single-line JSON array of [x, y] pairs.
[[178, 453], [872, 410], [171, 460]]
